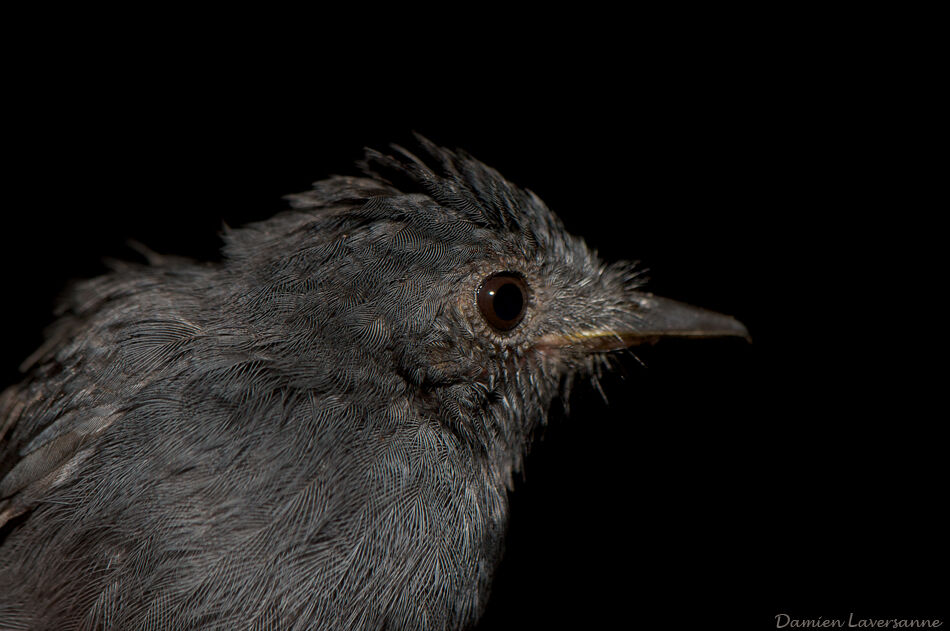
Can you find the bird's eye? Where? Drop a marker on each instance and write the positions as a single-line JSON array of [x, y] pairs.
[[502, 299]]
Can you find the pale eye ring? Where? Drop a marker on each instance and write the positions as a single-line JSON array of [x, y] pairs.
[[503, 299]]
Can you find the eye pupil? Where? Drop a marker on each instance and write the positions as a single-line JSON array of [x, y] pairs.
[[508, 301], [502, 299]]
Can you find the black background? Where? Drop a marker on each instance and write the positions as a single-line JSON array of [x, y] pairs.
[[724, 483]]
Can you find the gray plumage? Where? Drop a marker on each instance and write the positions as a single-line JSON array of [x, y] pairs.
[[318, 432]]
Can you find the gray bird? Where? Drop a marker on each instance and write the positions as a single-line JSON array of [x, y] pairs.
[[319, 432]]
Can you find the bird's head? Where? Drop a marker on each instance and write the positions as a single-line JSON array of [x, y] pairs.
[[438, 282]]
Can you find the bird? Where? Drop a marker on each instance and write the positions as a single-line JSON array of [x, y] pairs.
[[321, 429]]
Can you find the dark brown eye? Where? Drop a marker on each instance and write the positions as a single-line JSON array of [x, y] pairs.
[[502, 299]]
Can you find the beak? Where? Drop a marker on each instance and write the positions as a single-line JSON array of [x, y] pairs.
[[649, 319]]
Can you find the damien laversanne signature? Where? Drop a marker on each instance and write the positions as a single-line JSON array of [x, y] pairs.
[[783, 620]]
